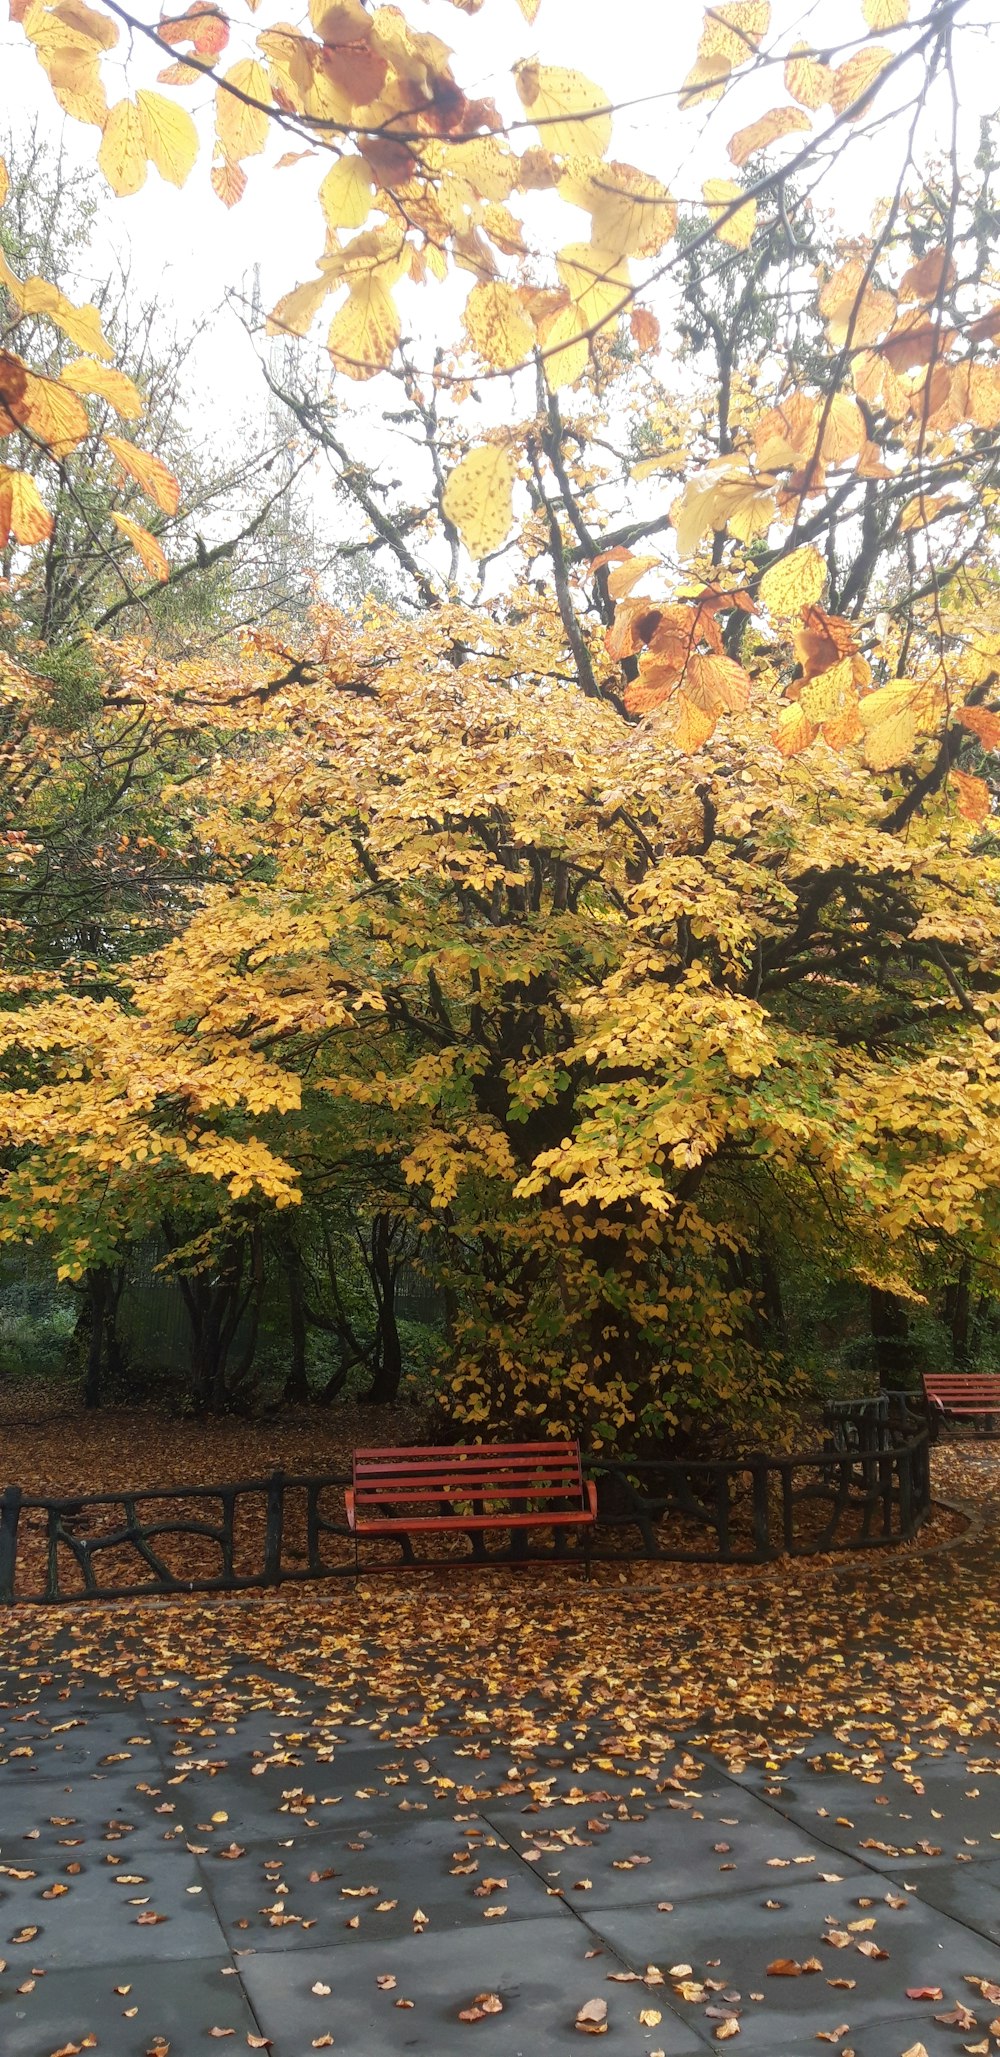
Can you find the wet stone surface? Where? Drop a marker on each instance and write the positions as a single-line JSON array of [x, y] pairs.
[[182, 1863]]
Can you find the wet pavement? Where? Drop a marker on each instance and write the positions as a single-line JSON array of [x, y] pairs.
[[197, 1864]]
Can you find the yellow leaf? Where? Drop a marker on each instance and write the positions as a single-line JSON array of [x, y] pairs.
[[734, 29], [885, 14], [973, 795], [529, 8], [478, 498], [623, 577], [597, 282], [705, 81], [633, 214], [724, 496], [340, 21], [808, 80], [104, 380], [149, 472], [853, 80], [782, 121], [735, 227], [53, 414], [365, 331], [891, 718], [844, 431], [793, 583], [83, 327], [77, 85], [572, 114], [825, 696], [296, 311], [229, 182], [95, 28], [146, 547], [852, 307], [795, 731], [346, 194], [691, 725], [23, 513], [497, 326], [242, 130], [565, 349], [4, 182], [122, 153], [169, 136]]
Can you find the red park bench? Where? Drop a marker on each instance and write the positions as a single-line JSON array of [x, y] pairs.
[[961, 1394], [423, 1490]]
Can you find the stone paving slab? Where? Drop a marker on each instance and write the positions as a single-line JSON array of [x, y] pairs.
[[176, 2000], [539, 1970], [741, 1935]]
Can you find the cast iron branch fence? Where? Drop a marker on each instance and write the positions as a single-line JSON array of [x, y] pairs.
[[867, 1488]]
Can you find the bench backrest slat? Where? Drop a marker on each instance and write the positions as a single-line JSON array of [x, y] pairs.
[[512, 1471]]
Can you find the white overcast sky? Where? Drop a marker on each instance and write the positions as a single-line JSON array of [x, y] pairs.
[[187, 248]]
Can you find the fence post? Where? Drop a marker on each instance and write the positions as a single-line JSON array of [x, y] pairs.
[[273, 1530], [10, 1514]]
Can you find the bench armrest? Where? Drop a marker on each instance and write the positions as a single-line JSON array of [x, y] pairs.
[[349, 1505], [590, 1488]]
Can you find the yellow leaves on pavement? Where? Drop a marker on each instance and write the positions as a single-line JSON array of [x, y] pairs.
[[498, 325], [734, 223], [478, 498], [104, 382], [149, 472], [572, 114], [23, 513], [146, 547], [793, 583], [365, 331]]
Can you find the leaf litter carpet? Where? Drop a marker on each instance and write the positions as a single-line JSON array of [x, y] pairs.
[[497, 1812]]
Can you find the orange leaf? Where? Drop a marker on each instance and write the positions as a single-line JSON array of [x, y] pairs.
[[149, 472], [146, 547], [973, 805], [983, 723], [229, 182]]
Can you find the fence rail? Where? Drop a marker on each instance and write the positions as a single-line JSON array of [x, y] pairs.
[[867, 1489]]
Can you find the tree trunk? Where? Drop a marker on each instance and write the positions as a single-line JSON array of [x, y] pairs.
[[891, 1344], [296, 1391], [389, 1350], [958, 1306], [98, 1286]]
